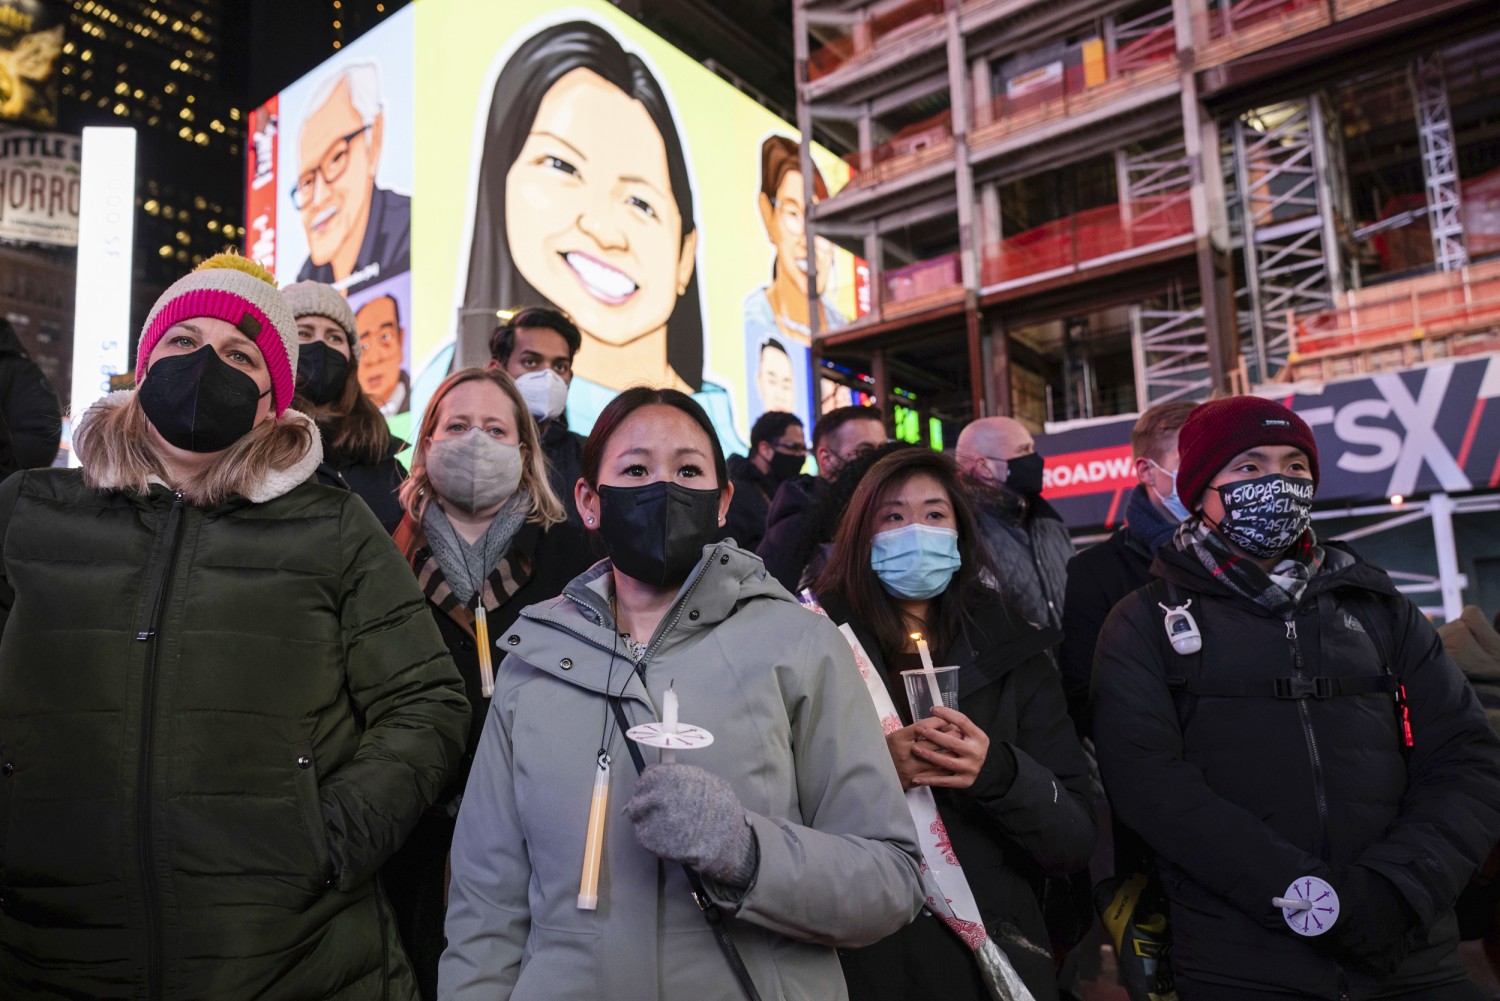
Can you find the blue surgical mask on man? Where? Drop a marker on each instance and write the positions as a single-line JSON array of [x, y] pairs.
[[915, 561], [1171, 501]]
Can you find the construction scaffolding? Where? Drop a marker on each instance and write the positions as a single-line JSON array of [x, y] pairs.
[[1439, 163], [1290, 222]]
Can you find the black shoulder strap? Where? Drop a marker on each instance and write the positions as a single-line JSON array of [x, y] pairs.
[[1179, 666], [711, 912], [1375, 626]]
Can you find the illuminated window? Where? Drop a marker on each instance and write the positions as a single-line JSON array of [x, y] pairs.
[[908, 424]]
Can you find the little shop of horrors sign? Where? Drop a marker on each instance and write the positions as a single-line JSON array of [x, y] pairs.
[[39, 186], [1409, 433]]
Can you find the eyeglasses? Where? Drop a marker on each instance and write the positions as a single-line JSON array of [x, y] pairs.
[[796, 219], [332, 167], [791, 447]]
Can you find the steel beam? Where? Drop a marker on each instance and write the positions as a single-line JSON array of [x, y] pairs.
[[1439, 164]]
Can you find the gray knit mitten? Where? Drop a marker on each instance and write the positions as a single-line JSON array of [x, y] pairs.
[[684, 814]]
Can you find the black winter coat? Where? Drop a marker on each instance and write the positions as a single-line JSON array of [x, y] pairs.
[[1007, 837], [1239, 796], [786, 522], [28, 405], [375, 483], [751, 506], [1030, 553], [536, 568], [564, 451], [1099, 577]]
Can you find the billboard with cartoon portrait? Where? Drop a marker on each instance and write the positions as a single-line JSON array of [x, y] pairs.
[[566, 156]]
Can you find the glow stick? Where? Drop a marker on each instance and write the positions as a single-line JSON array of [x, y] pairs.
[[593, 845], [482, 637]]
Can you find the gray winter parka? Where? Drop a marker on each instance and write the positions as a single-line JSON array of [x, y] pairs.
[[796, 737]]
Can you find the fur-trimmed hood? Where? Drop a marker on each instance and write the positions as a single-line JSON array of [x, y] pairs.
[[270, 485]]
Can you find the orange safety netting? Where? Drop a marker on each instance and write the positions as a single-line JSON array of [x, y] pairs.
[[1227, 20], [923, 278], [1436, 305], [1087, 236], [920, 137], [868, 35]]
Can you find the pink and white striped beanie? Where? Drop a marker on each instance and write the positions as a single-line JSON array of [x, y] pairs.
[[237, 290]]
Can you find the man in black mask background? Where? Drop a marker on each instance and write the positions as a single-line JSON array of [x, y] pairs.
[[1025, 535], [778, 451]]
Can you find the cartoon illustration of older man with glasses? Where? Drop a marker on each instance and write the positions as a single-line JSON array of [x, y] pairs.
[[357, 233]]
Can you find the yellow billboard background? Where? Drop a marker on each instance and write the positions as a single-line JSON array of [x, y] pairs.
[[460, 49]]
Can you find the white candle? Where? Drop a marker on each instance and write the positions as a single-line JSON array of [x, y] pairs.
[[922, 651], [669, 723], [933, 691]]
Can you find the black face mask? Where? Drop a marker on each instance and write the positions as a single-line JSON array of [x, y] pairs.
[[1024, 474], [656, 533], [1267, 515], [322, 372], [784, 466], [199, 402]]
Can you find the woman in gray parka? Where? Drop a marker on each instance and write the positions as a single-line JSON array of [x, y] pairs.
[[793, 818]]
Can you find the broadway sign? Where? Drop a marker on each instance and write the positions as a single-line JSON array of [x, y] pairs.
[[39, 178], [1412, 432]]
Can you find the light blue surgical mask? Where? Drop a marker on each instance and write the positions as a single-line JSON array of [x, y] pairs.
[[1171, 501], [915, 561]]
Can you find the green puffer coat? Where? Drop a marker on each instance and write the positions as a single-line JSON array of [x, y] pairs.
[[214, 727]]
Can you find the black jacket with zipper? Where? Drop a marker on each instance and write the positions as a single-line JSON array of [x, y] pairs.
[[1240, 795], [748, 511], [375, 483], [1008, 837]]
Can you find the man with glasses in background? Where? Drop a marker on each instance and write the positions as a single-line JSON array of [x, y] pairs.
[[778, 451], [357, 234], [839, 437]]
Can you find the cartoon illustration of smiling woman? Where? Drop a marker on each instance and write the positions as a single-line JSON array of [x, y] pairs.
[[584, 201]]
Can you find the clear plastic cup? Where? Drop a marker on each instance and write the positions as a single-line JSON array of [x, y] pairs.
[[919, 689]]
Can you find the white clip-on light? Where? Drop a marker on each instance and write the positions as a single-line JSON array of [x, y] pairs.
[[1181, 628]]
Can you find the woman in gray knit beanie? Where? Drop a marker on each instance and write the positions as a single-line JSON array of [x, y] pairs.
[[359, 451]]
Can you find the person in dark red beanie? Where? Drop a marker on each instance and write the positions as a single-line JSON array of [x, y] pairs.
[[1282, 727]]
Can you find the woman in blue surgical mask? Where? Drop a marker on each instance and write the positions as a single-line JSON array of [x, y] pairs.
[[1005, 769], [485, 535]]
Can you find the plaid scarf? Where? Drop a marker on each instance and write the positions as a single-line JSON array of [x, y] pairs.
[[1279, 591]]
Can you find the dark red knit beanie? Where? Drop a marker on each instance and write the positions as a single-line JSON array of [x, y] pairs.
[[1216, 431]]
